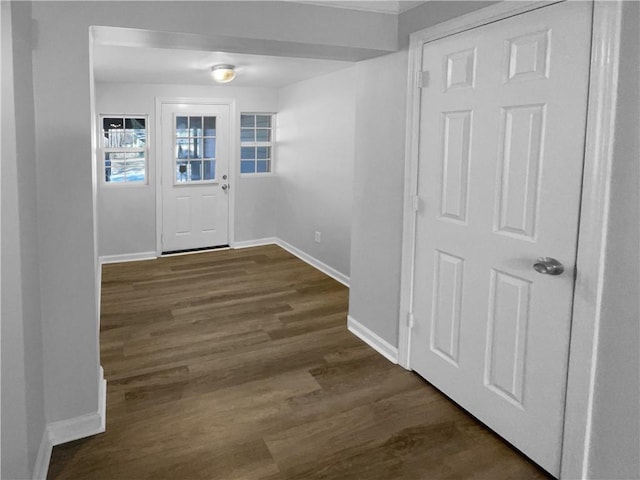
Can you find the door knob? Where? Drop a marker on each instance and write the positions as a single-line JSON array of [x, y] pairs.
[[224, 187], [548, 266]]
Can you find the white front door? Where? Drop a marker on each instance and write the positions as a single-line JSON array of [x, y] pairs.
[[502, 129], [195, 169]]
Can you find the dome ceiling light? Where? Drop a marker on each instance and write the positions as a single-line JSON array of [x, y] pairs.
[[223, 73]]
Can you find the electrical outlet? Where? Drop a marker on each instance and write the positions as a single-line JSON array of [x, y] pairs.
[[318, 237]]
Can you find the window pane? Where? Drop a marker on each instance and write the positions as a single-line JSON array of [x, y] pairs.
[[209, 169], [247, 120], [247, 166], [247, 153], [210, 126], [115, 156], [263, 121], [112, 123], [264, 152], [134, 171], [117, 172], [124, 167], [140, 138], [113, 132], [130, 140], [182, 127], [196, 151], [263, 135], [196, 170], [247, 135], [182, 148], [209, 148], [134, 123], [134, 156], [195, 126], [263, 166], [182, 171], [110, 160]]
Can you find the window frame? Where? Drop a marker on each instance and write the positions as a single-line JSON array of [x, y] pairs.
[[255, 144], [202, 137], [105, 150]]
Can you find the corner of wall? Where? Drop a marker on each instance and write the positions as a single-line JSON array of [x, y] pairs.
[[71, 429]]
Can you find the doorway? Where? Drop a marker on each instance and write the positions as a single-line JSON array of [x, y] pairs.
[[501, 133], [195, 167]]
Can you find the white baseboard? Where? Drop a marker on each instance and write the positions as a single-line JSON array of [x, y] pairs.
[[41, 467], [255, 243], [64, 431], [376, 342], [305, 257], [314, 262], [128, 257], [102, 401]]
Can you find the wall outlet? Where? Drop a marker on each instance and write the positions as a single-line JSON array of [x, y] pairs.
[[318, 237]]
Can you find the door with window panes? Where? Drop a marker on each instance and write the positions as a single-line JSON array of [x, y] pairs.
[[195, 189]]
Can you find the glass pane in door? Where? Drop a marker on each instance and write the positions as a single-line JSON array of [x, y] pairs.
[[195, 140]]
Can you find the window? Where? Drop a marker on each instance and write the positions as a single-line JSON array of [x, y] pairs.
[[256, 143], [195, 149], [124, 148]]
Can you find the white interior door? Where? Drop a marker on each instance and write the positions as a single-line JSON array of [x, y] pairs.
[[195, 169], [502, 129]]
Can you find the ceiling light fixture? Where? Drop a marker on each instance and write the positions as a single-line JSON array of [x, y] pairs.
[[223, 73]]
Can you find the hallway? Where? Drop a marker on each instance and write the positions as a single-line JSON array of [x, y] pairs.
[[238, 364]]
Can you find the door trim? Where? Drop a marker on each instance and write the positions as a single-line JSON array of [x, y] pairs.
[[600, 129], [233, 135]]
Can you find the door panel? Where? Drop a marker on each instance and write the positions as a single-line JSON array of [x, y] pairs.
[[499, 177], [195, 158]]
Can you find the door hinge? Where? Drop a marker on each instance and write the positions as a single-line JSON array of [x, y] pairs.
[[410, 320], [422, 79], [415, 203]]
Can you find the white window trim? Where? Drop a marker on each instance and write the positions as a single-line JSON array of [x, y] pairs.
[[194, 182], [271, 144], [234, 134], [103, 150]]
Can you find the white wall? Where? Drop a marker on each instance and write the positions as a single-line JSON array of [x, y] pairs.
[[127, 214], [615, 447], [67, 177], [23, 421], [314, 165], [431, 13], [379, 174], [376, 235]]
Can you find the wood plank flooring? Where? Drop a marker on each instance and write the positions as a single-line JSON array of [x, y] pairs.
[[237, 364]]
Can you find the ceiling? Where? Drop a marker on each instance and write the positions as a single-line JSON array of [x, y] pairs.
[[381, 6], [143, 62], [192, 67]]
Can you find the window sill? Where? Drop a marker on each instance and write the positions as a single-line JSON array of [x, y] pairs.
[[124, 184], [257, 175]]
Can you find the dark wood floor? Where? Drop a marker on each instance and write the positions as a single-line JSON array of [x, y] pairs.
[[238, 365]]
